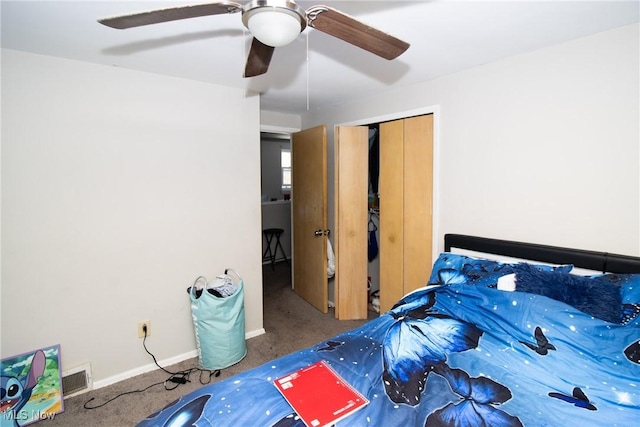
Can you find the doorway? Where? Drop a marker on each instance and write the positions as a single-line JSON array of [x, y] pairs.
[[276, 190]]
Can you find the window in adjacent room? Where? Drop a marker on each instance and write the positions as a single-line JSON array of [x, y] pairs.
[[285, 165]]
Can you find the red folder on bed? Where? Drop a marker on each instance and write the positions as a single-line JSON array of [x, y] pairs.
[[319, 395]]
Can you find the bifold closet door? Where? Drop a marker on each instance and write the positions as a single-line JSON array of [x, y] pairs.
[[418, 201], [351, 216], [391, 191], [406, 202]]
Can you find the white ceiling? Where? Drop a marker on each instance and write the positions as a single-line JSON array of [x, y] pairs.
[[316, 70]]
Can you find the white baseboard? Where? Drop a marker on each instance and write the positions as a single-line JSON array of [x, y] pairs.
[[152, 366], [257, 332]]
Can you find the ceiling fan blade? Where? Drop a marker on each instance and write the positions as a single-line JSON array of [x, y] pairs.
[[259, 58], [349, 29], [170, 14]]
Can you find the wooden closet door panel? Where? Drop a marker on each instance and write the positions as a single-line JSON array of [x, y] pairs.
[[350, 239], [418, 196], [391, 190]]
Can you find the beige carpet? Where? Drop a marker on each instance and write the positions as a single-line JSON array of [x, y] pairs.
[[291, 324]]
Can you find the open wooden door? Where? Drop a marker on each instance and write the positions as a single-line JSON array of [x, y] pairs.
[[309, 215]]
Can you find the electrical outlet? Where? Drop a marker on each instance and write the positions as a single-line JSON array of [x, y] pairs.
[[141, 325]]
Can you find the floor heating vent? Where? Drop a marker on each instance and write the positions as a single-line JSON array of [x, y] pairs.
[[76, 381]]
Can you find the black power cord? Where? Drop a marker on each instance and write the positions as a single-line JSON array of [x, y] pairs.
[[180, 377], [177, 378]]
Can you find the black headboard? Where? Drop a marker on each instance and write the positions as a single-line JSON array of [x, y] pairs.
[[592, 260]]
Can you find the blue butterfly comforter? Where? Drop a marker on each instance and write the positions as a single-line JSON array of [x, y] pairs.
[[456, 353]]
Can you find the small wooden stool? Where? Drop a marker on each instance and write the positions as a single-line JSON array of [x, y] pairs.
[[270, 254]]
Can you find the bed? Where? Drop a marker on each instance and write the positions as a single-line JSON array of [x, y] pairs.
[[487, 342]]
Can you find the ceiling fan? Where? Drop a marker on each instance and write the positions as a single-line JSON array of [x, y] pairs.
[[274, 23]]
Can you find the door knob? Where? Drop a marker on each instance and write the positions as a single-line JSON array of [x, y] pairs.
[[318, 232]]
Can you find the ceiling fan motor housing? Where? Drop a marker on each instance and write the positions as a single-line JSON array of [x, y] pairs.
[[274, 22]]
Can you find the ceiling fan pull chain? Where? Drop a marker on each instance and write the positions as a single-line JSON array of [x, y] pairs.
[[244, 43], [307, 71]]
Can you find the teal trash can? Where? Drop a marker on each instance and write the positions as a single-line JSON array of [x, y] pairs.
[[217, 309]]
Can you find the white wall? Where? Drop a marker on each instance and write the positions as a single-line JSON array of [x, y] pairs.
[[119, 188], [541, 147], [272, 121]]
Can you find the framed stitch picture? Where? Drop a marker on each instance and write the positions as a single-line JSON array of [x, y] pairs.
[[31, 387]]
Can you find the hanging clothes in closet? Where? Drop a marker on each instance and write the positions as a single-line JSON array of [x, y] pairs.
[[374, 159], [373, 239]]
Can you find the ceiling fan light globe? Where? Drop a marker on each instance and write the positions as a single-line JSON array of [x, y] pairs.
[[274, 27]]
